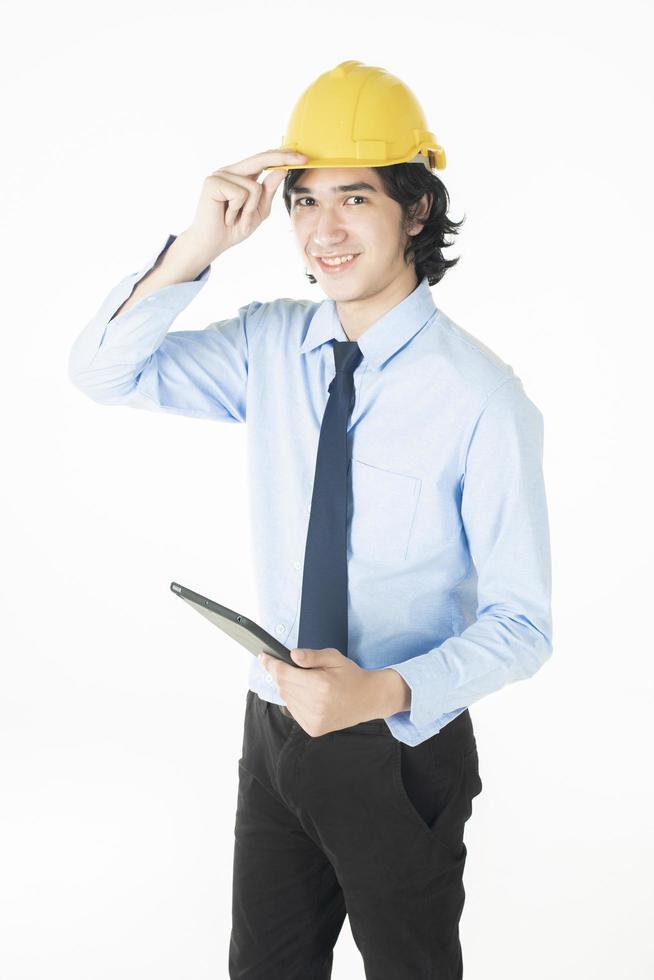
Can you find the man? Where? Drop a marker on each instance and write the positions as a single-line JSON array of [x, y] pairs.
[[400, 520]]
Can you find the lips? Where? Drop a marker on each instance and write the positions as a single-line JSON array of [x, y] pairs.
[[341, 267]]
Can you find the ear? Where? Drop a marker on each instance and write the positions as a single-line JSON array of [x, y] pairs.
[[421, 210]]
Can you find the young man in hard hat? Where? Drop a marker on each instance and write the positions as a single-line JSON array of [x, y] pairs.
[[407, 549]]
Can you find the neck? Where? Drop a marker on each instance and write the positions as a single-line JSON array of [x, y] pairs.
[[357, 315]]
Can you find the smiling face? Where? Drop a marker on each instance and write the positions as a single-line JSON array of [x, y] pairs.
[[346, 211]]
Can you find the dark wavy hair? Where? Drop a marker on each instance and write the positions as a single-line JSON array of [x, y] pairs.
[[406, 183]]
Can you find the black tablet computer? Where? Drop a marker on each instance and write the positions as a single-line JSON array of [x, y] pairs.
[[250, 635]]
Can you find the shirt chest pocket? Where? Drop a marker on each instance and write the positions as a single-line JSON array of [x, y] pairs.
[[381, 507]]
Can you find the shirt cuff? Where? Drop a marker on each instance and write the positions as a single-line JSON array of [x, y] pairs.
[[428, 681]]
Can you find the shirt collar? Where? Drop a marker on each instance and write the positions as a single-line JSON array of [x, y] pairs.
[[383, 337]]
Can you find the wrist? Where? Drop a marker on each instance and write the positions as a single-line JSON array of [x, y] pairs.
[[393, 692], [192, 243]]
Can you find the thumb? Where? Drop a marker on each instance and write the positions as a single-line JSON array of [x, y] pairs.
[[302, 657], [323, 657], [269, 185]]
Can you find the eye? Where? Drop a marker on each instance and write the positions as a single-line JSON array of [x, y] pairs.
[[358, 196]]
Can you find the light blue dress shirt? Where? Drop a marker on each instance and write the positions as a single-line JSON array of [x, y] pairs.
[[449, 564]]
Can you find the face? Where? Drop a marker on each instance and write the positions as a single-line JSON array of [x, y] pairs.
[[331, 217]]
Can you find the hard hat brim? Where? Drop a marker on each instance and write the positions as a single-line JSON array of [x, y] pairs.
[[318, 163]]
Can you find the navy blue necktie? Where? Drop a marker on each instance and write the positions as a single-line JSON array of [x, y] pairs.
[[323, 610]]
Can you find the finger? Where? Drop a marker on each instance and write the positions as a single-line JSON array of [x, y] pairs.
[[227, 192], [254, 165], [236, 192], [249, 203]]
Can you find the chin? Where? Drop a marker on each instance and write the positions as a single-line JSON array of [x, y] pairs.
[[342, 291]]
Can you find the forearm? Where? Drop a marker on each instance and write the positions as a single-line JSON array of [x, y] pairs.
[[183, 261], [113, 354]]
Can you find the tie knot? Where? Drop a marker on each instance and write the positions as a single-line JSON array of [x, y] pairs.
[[347, 355]]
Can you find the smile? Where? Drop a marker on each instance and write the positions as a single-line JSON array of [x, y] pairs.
[[337, 264]]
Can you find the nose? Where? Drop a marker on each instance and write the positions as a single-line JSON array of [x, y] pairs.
[[326, 234]]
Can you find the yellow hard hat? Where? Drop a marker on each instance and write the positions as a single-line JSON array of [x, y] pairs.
[[359, 115]]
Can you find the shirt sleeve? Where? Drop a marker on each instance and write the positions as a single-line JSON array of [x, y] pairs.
[[133, 360], [504, 515]]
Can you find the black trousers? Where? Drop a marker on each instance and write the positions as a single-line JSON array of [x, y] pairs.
[[353, 822]]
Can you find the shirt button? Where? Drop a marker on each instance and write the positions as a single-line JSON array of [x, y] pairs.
[[296, 564], [280, 628]]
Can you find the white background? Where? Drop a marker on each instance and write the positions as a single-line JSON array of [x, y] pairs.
[[121, 711]]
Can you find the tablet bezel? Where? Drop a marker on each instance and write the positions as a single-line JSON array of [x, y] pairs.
[[268, 642]]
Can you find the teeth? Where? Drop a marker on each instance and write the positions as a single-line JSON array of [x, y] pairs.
[[338, 261]]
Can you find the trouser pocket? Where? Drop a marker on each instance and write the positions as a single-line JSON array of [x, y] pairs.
[[435, 788]]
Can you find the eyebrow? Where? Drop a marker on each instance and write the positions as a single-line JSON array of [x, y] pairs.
[[360, 186]]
